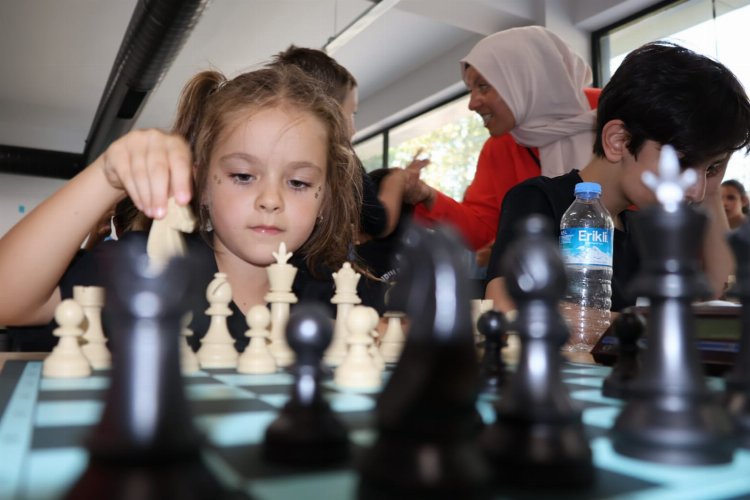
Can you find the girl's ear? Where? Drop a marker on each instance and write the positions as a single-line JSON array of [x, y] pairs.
[[615, 140]]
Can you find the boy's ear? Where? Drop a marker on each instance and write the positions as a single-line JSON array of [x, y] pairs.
[[615, 140]]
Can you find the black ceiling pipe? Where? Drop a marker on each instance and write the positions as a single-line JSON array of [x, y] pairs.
[[39, 162], [155, 35]]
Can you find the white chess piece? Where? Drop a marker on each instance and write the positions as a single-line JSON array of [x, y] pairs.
[[66, 360], [188, 359], [358, 369], [257, 358], [165, 236], [345, 299], [217, 346], [479, 307], [281, 277], [393, 339], [374, 349], [91, 299]]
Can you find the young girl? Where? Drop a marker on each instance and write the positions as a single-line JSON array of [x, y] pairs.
[[269, 157], [735, 200]]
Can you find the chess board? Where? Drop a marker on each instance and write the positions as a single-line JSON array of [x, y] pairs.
[[44, 423]]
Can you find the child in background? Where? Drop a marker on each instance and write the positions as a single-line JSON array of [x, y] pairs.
[[263, 158], [734, 198], [661, 94]]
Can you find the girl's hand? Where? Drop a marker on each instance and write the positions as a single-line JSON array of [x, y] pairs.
[[150, 165]]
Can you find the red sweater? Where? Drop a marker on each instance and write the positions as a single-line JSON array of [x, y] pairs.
[[502, 164]]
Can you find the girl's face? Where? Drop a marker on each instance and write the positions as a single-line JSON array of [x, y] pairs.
[[266, 183], [733, 202], [484, 99]]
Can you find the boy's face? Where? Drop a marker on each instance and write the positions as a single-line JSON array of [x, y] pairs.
[[266, 183], [709, 175]]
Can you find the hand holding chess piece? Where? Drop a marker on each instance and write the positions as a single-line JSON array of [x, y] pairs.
[[165, 236]]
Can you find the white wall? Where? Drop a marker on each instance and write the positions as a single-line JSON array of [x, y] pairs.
[[573, 20], [19, 194]]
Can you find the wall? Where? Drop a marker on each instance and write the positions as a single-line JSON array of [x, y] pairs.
[[19, 194], [573, 20]]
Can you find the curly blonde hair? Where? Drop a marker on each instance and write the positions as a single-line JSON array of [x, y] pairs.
[[210, 104]]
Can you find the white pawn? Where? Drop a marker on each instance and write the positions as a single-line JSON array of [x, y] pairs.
[[188, 360], [91, 299], [217, 346], [358, 370], [374, 350], [345, 299], [66, 360], [257, 358], [394, 339]]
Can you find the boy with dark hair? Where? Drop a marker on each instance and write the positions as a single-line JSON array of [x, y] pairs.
[[661, 94]]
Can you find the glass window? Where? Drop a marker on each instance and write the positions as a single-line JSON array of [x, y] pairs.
[[710, 27], [451, 136], [370, 152]]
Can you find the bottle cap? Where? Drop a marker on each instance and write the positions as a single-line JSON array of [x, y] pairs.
[[588, 187]]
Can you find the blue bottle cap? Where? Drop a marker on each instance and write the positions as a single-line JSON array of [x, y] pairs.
[[588, 187]]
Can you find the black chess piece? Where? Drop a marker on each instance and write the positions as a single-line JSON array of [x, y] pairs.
[[145, 445], [493, 327], [670, 415], [426, 415], [628, 329], [306, 431], [737, 397], [538, 438]]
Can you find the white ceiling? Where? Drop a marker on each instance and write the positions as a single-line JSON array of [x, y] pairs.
[[56, 55]]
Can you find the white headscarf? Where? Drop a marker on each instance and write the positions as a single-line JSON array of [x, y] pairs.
[[542, 81]]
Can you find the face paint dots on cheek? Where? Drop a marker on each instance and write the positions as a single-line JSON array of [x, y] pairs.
[[216, 178], [317, 193]]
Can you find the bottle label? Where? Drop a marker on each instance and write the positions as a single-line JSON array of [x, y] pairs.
[[586, 246]]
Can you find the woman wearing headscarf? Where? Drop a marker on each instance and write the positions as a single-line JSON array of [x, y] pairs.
[[532, 92]]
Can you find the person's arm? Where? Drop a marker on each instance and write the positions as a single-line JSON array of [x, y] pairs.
[[718, 259], [391, 195], [35, 253], [501, 165]]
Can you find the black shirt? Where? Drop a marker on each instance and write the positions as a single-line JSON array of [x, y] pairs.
[[92, 268], [551, 197]]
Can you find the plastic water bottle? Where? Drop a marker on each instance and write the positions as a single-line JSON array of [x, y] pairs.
[[586, 233]]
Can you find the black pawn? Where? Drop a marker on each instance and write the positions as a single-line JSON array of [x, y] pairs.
[[145, 445], [538, 439], [306, 431], [493, 326], [628, 328], [738, 380], [671, 416], [427, 420]]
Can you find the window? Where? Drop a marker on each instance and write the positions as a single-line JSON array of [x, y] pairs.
[[710, 27], [450, 135]]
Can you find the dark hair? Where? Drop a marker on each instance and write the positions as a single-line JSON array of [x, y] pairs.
[[210, 105], [740, 189], [336, 79], [671, 95]]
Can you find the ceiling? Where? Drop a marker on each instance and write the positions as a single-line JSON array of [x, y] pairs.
[[58, 55]]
